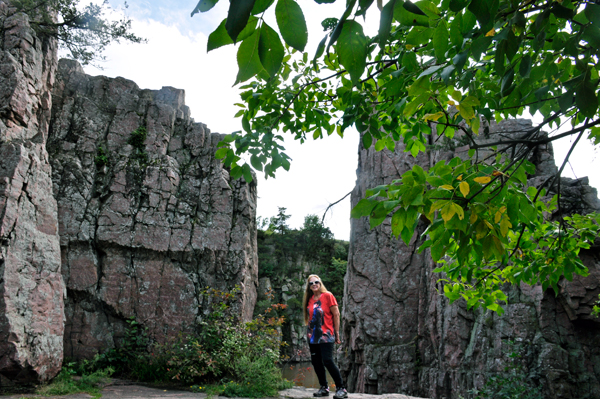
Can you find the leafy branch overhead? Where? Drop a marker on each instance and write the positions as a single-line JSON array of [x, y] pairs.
[[436, 75]]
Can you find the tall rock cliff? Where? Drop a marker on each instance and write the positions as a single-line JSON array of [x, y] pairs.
[[148, 218], [31, 286], [401, 335]]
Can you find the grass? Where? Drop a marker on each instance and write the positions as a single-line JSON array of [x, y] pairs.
[[65, 384]]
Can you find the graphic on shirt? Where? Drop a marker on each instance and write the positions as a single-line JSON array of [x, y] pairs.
[[320, 326]]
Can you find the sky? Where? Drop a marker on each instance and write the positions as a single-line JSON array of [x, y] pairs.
[[322, 171]]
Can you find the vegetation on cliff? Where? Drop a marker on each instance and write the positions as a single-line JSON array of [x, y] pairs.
[[437, 74], [84, 32]]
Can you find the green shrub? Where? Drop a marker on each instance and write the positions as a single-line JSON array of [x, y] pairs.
[[138, 137], [223, 350], [65, 384], [101, 158], [514, 383]]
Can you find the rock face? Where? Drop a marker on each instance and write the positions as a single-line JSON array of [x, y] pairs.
[[144, 226], [31, 286], [401, 335]]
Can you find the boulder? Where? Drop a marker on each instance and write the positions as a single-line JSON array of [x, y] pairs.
[[31, 285], [401, 335], [145, 226]]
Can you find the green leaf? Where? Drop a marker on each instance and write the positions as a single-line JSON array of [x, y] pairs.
[[236, 172], [261, 6], [338, 28], [525, 66], [352, 49], [409, 61], [479, 46], [247, 172], [418, 36], [256, 163], [385, 22], [320, 50], [591, 34], [204, 6], [566, 101], [407, 234], [291, 23], [248, 59], [408, 18], [586, 100], [398, 222], [246, 125], [367, 140], [507, 81], [440, 41], [222, 153], [270, 49], [561, 11], [363, 208], [237, 17], [458, 5], [456, 36], [363, 6], [484, 10], [219, 37], [413, 8], [592, 12]]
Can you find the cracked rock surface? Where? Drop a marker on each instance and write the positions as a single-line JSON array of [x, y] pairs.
[[143, 229], [400, 335], [31, 286]]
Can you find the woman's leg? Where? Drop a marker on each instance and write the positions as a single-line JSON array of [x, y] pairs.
[[327, 356], [317, 362]]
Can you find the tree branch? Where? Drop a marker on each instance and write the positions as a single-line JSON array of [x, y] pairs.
[[330, 205]]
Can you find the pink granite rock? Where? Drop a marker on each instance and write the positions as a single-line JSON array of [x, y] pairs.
[[142, 236], [31, 286], [401, 335]]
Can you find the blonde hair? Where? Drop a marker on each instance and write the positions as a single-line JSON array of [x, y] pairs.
[[308, 294]]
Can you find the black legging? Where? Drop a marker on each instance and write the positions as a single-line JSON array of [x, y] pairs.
[[321, 356]]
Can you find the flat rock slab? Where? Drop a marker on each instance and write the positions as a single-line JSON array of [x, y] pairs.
[[306, 393], [137, 392]]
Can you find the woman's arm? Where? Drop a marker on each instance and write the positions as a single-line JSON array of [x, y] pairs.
[[335, 312]]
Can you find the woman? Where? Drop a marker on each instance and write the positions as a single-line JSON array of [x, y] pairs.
[[322, 316]]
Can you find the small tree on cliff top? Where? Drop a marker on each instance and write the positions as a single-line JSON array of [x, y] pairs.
[[83, 31], [490, 59]]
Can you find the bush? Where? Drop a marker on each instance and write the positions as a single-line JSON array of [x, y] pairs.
[[514, 383], [64, 384], [137, 138], [223, 351]]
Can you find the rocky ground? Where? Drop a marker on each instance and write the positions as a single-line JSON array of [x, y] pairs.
[[120, 390]]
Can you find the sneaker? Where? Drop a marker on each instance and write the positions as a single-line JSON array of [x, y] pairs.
[[341, 394], [323, 391]]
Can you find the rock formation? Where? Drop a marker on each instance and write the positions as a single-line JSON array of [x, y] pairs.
[[31, 286], [145, 223], [401, 335]]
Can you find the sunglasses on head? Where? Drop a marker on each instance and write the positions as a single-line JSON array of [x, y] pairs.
[[313, 282]]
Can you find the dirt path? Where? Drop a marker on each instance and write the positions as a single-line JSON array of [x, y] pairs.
[[124, 390]]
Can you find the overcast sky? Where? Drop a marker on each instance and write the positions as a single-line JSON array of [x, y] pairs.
[[322, 171]]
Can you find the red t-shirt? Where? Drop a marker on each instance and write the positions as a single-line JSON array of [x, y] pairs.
[[320, 319]]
